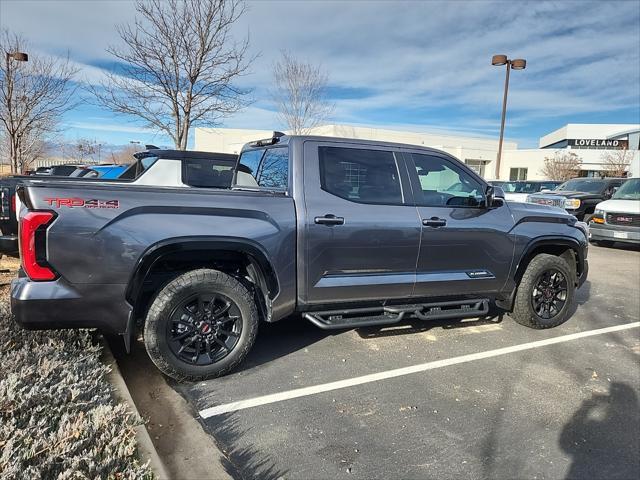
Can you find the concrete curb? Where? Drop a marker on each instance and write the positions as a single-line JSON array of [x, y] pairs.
[[145, 446]]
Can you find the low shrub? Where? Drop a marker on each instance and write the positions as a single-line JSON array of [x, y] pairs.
[[58, 418]]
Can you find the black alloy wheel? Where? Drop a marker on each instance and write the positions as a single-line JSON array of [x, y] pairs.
[[549, 294], [204, 328]]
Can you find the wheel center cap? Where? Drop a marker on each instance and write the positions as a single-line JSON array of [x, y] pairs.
[[205, 328]]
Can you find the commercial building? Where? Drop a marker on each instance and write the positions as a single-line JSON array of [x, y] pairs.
[[592, 143]]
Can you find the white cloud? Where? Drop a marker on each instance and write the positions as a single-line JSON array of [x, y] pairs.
[[409, 57], [99, 126]]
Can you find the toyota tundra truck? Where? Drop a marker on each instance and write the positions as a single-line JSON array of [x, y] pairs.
[[343, 233]]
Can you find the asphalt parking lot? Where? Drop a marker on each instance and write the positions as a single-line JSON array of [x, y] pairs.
[[567, 408]]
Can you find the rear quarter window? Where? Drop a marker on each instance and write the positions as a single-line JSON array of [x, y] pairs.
[[264, 168]]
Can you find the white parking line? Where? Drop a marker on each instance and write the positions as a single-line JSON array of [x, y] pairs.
[[399, 372]]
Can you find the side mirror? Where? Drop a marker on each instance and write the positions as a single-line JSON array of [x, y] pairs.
[[494, 196]]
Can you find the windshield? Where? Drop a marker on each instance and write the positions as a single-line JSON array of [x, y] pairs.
[[524, 187], [630, 190], [508, 187], [583, 185]]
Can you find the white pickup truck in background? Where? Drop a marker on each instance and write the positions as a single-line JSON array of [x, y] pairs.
[[618, 219]]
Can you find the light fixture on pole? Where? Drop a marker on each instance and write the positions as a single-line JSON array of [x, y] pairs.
[[517, 64], [18, 56]]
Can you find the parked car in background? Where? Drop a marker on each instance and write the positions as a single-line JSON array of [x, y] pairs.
[[157, 167], [518, 191], [58, 170], [8, 216], [618, 219], [110, 171], [579, 196], [181, 168], [348, 233], [9, 204], [100, 171]]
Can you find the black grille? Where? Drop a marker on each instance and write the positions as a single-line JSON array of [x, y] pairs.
[[628, 219]]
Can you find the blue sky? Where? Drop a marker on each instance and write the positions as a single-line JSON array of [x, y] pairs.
[[420, 65]]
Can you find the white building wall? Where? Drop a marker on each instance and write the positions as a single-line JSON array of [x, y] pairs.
[[466, 148], [533, 160], [226, 140], [230, 140]]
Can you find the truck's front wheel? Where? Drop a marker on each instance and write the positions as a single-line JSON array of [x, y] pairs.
[[545, 293], [201, 325]]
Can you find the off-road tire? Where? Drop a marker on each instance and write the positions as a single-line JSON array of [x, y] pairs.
[[167, 299], [523, 311]]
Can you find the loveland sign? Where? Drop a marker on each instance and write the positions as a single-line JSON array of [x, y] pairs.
[[598, 143]]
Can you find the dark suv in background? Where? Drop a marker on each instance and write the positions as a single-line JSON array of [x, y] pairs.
[[579, 196]]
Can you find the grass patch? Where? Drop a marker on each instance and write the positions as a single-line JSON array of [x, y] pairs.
[[58, 418]]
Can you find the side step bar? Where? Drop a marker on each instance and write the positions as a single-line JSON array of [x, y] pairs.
[[390, 314]]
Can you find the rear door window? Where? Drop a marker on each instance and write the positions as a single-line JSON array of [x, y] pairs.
[[360, 175]]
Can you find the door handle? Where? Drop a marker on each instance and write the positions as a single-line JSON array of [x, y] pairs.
[[434, 222], [329, 219]]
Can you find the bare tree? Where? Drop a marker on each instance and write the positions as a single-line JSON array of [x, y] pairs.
[[616, 163], [178, 66], [562, 166], [34, 95], [124, 155], [84, 149], [32, 146], [300, 94]]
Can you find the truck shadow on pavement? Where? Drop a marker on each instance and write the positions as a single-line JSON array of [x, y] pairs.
[[279, 339], [602, 437], [414, 325], [178, 439], [242, 463], [294, 333]]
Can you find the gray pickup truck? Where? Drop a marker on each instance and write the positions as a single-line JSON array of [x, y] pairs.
[[346, 233]]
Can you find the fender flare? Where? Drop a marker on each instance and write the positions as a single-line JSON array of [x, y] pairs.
[[256, 254], [555, 240]]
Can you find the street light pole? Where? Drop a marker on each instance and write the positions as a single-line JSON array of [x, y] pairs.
[[517, 64]]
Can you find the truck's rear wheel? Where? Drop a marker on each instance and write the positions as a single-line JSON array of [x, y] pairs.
[[545, 293], [201, 325]]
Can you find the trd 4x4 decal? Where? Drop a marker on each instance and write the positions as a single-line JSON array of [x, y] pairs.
[[81, 202]]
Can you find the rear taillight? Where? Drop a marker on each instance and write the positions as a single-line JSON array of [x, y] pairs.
[[33, 232], [13, 203]]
